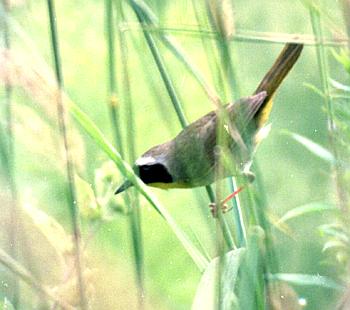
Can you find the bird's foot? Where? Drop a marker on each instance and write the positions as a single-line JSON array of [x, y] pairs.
[[213, 207], [223, 204]]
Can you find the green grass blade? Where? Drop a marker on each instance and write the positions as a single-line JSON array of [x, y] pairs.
[[250, 290], [307, 280], [335, 231], [314, 207], [313, 147], [314, 89], [343, 59], [205, 297], [339, 86]]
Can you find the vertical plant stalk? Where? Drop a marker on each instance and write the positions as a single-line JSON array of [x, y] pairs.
[[332, 131], [71, 190], [213, 64], [113, 98], [238, 217], [175, 100], [251, 293], [9, 163], [217, 18], [266, 258], [217, 22], [271, 264], [133, 199], [226, 65]]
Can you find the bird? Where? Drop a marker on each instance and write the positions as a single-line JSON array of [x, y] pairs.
[[191, 159]]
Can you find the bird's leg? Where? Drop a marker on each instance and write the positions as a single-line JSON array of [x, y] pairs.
[[246, 173], [223, 203]]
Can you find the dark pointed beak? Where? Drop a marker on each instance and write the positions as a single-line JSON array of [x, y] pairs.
[[123, 187]]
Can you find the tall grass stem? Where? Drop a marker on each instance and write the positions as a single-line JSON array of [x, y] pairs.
[[323, 69], [71, 189], [135, 214], [113, 102]]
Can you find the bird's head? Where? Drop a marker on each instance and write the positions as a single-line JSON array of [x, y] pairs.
[[151, 170]]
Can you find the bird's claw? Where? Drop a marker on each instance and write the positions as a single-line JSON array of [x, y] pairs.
[[214, 209]]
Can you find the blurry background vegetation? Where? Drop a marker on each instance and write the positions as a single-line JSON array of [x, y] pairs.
[[292, 176]]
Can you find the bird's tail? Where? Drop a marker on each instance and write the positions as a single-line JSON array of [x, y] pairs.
[[274, 77]]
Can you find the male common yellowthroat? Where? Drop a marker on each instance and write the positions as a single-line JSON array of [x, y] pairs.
[[190, 159]]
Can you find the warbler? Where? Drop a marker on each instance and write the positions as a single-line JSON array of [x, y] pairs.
[[191, 158]]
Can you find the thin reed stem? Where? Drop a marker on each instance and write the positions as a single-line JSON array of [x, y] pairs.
[[240, 229], [113, 103], [332, 131], [271, 265], [133, 199], [231, 80], [240, 35], [214, 65], [71, 190]]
